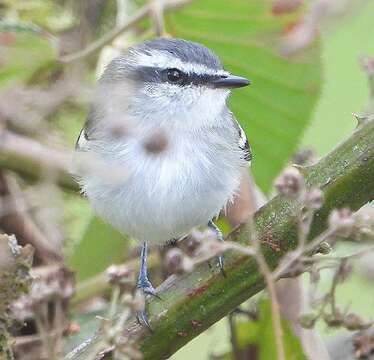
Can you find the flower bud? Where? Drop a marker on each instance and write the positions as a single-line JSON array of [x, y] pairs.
[[342, 222], [290, 182], [307, 321], [178, 263], [192, 243], [333, 320], [120, 275], [354, 322], [324, 248]]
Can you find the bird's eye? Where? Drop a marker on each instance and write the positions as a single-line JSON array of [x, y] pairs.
[[175, 76]]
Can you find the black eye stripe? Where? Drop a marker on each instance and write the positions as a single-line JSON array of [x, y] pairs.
[[201, 79], [160, 75]]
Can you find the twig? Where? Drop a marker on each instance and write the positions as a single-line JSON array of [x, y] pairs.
[[47, 339], [270, 286], [158, 16], [112, 34], [34, 160], [99, 284], [107, 38], [335, 281], [355, 255], [295, 255], [19, 222]]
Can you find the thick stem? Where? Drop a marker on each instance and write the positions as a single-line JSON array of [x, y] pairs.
[[193, 302]]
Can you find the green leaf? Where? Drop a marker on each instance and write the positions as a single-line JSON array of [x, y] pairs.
[[99, 247], [23, 51], [276, 109], [260, 335], [266, 337]]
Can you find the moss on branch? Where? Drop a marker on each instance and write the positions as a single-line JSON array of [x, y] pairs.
[[15, 279]]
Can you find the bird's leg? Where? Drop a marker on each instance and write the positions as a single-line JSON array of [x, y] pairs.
[[217, 231], [144, 284]]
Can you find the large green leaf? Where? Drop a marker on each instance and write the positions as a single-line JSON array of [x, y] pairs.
[[276, 109], [23, 50]]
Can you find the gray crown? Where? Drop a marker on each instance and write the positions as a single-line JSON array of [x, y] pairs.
[[186, 51]]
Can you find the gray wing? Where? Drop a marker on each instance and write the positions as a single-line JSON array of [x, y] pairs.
[[242, 140], [85, 135], [82, 141]]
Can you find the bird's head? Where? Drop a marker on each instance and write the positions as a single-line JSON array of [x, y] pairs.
[[171, 80]]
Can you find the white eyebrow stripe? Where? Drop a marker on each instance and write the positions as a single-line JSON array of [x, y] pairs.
[[163, 60]]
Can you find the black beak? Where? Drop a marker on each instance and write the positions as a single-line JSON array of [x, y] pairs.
[[229, 82]]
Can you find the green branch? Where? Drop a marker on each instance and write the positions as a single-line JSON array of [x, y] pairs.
[[192, 303]]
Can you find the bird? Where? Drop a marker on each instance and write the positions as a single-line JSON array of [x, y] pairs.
[[167, 153]]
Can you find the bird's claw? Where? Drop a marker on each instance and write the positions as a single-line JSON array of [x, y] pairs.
[[147, 289], [142, 318], [221, 264], [220, 237]]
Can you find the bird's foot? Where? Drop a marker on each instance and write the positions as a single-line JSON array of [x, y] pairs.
[[146, 288], [220, 237], [141, 315]]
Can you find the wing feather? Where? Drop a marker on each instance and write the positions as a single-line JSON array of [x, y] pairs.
[[242, 140]]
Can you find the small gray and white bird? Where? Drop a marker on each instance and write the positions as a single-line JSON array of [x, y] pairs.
[[178, 90]]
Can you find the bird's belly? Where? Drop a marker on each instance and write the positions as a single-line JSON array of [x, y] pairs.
[[165, 197]]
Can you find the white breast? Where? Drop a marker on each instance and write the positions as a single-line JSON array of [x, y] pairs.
[[165, 195]]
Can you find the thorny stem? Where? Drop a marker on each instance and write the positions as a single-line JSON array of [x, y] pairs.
[[334, 284], [357, 254], [193, 302]]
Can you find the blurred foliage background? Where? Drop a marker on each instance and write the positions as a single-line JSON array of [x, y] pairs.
[[304, 91]]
